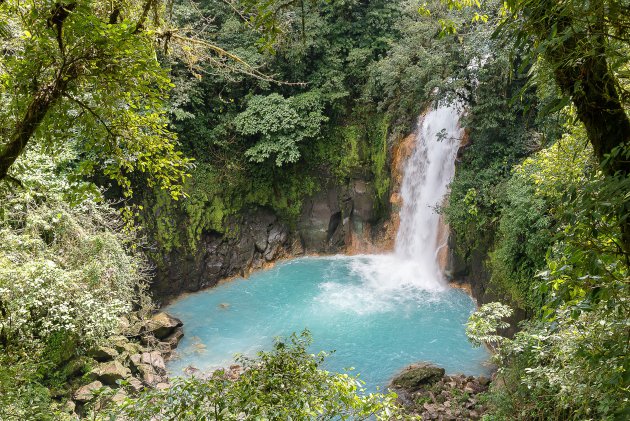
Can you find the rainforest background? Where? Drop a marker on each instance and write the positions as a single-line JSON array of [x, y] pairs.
[[131, 129]]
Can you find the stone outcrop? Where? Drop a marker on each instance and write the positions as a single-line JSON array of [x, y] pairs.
[[253, 239], [161, 325], [471, 272], [330, 221], [417, 376], [135, 359], [332, 216], [425, 390]]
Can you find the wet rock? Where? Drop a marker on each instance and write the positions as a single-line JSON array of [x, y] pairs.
[[162, 325], [416, 376], [85, 393]]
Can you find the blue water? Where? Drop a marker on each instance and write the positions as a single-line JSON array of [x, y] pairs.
[[375, 328]]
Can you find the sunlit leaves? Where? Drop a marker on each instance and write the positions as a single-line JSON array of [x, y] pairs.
[[482, 325], [113, 104], [287, 383]]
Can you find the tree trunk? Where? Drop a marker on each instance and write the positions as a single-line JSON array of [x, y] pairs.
[[592, 88], [41, 103], [581, 70]]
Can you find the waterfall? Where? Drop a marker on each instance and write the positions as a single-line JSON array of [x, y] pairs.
[[402, 278], [428, 172]]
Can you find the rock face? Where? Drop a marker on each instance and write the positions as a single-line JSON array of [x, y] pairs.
[[471, 271], [329, 220], [254, 238], [331, 216]]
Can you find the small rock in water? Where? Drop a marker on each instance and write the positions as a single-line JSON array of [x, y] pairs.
[[416, 376], [190, 370], [224, 306]]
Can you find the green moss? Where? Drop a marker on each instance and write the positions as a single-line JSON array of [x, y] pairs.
[[379, 160]]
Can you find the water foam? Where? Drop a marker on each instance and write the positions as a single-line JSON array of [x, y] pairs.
[[412, 271]]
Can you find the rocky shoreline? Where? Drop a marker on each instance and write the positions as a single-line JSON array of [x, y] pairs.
[[131, 361], [425, 390]]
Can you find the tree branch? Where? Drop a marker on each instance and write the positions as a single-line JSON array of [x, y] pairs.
[[92, 112]]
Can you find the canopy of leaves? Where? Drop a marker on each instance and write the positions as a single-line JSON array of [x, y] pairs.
[[87, 72], [280, 125]]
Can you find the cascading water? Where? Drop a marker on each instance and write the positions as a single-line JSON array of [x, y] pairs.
[[413, 267], [379, 312], [428, 173]]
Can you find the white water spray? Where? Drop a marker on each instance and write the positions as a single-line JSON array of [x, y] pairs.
[[428, 172], [391, 280]]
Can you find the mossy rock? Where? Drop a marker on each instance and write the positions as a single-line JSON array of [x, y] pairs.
[[417, 376], [109, 373], [103, 353]]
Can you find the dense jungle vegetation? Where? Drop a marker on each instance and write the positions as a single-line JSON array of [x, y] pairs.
[[130, 127]]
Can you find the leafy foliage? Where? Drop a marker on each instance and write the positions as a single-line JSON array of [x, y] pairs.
[[281, 124], [286, 383], [482, 325], [87, 71], [67, 273]]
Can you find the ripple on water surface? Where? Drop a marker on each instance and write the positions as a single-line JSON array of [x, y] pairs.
[[375, 327]]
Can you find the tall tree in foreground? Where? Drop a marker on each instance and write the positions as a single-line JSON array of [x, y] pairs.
[[87, 72]]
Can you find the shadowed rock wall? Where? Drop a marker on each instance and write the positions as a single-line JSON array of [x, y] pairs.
[[330, 220]]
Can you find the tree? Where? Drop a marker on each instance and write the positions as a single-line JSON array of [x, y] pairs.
[[86, 72], [586, 45], [280, 124]]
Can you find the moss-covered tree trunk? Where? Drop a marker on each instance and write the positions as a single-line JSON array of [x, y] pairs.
[[578, 47]]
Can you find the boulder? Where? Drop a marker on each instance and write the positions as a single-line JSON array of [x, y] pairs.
[[136, 360], [162, 325], [131, 348], [119, 397], [70, 407], [484, 381], [149, 376], [175, 337], [119, 342], [103, 353], [416, 376], [155, 360], [110, 372], [135, 384], [85, 393]]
